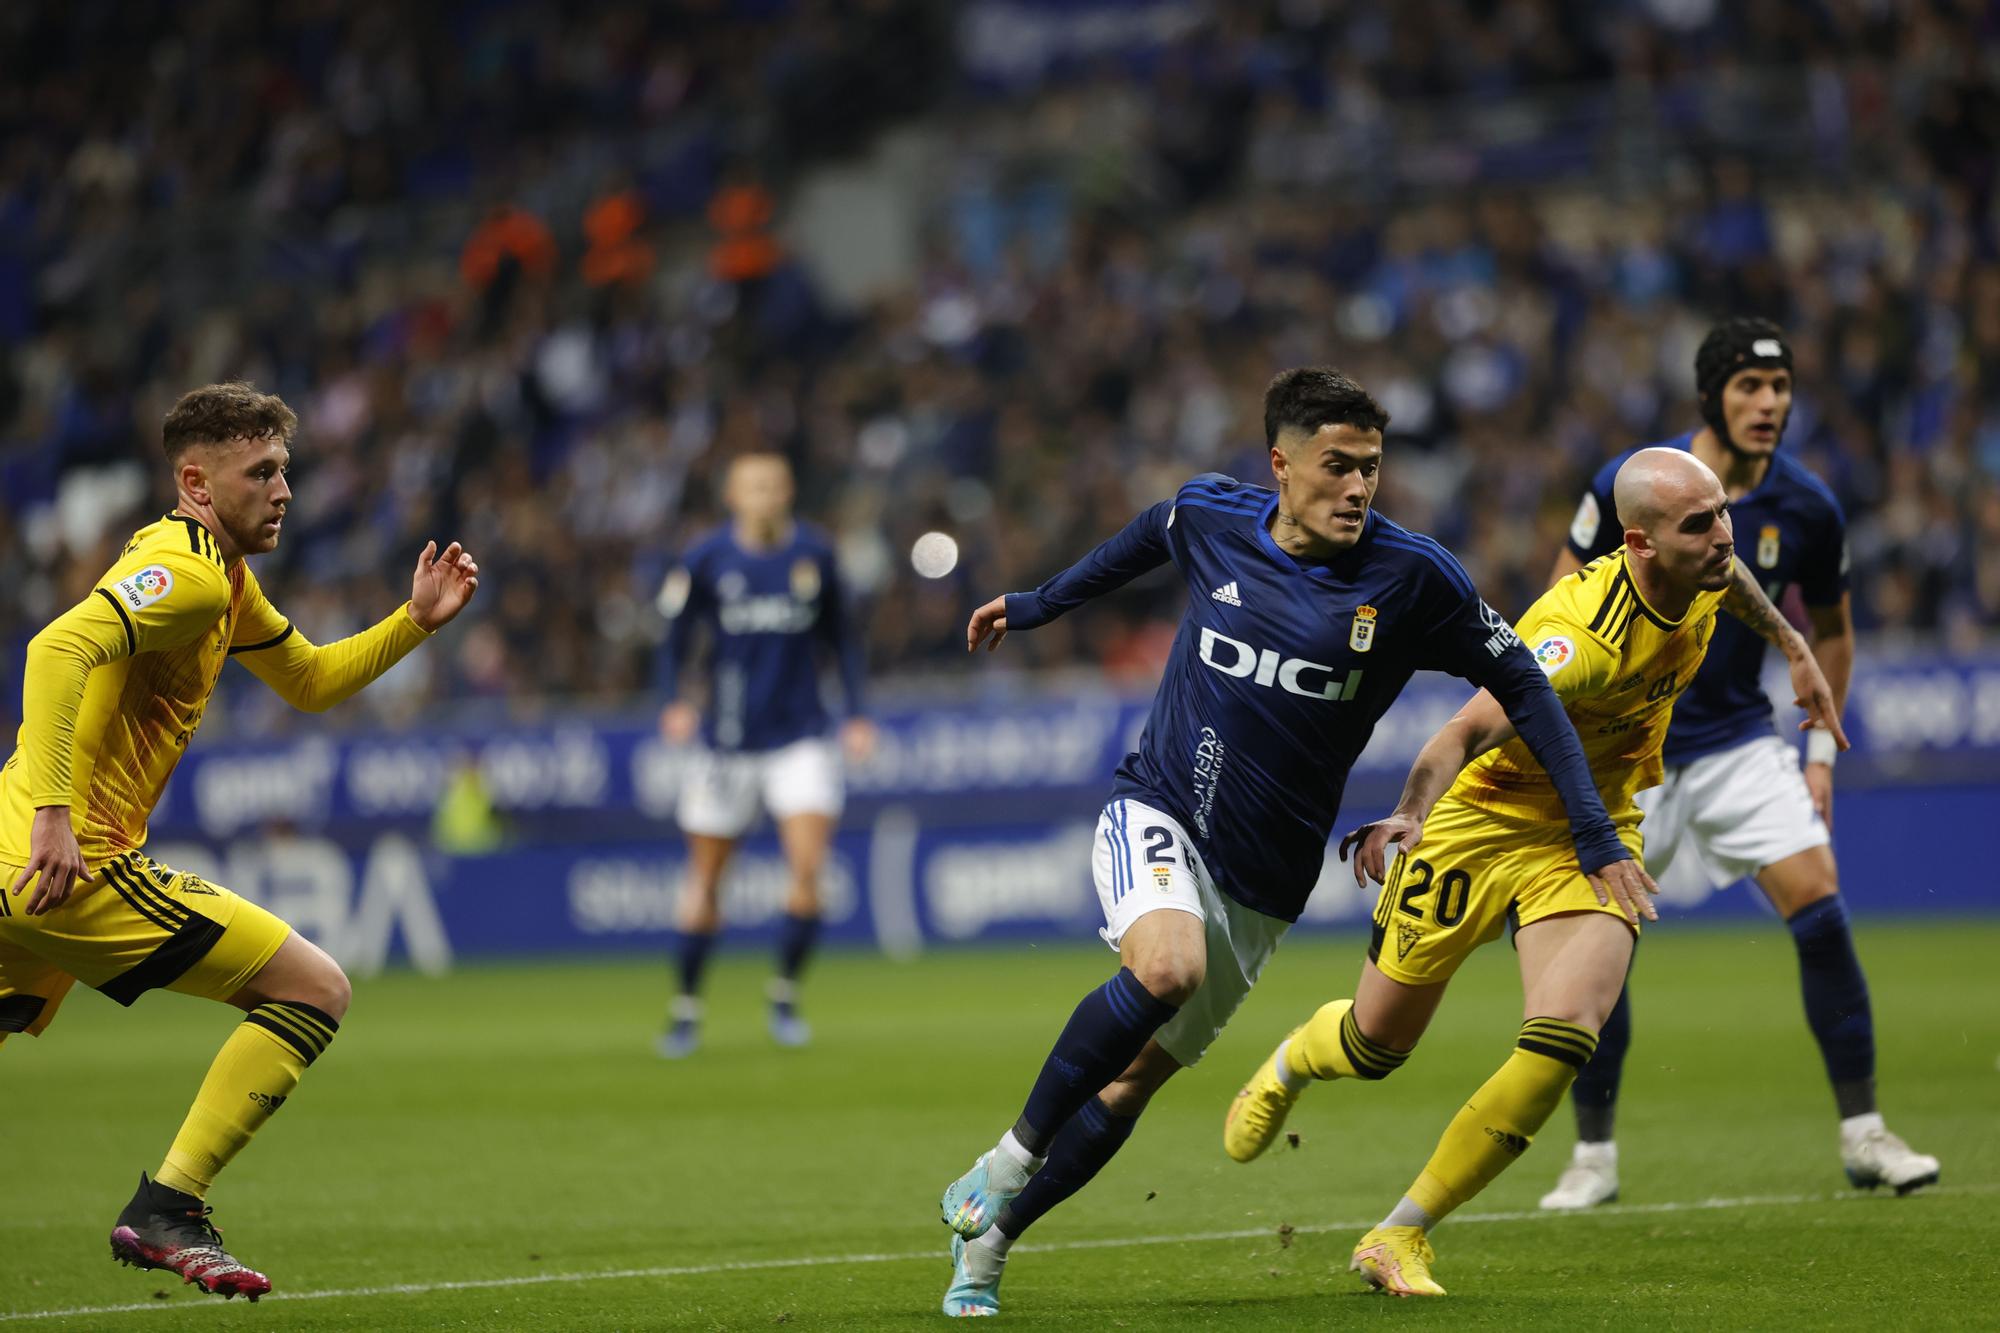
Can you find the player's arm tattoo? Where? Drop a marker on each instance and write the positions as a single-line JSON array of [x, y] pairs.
[[1746, 601]]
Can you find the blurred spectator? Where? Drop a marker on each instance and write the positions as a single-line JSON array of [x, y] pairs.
[[1131, 219]]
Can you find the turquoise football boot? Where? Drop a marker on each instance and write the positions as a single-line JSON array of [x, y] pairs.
[[973, 1202], [975, 1281]]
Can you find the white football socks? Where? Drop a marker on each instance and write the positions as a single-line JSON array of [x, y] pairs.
[[1293, 1082], [1012, 1164], [1858, 1127], [1407, 1214]]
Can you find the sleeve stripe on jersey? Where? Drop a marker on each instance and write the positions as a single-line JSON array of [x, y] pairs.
[[1210, 502], [131, 633], [271, 642], [1214, 497], [1436, 554]]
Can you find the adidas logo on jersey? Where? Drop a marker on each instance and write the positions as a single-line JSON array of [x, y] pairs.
[[1228, 595]]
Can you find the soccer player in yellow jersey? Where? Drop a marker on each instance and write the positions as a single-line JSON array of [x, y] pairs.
[[114, 690], [1619, 641]]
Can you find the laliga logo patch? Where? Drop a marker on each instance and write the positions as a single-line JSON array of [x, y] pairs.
[[1553, 654], [1362, 637], [1767, 546], [142, 589], [1583, 528]]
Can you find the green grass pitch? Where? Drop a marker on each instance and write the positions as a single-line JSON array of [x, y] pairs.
[[508, 1129]]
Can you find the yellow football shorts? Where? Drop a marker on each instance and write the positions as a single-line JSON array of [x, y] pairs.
[[136, 926], [1472, 875]]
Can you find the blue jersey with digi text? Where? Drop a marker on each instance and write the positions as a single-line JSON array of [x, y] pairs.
[[1281, 669], [1789, 530], [771, 613]]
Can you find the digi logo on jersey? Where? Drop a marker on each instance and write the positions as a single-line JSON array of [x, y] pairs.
[[1264, 667], [773, 614]]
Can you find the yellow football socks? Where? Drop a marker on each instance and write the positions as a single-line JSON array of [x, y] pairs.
[[257, 1068], [1330, 1045], [1501, 1120]]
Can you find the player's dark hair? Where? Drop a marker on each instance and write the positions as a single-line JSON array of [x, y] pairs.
[[218, 413], [1314, 396]]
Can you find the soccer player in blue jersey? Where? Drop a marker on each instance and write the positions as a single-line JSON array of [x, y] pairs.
[[766, 587], [1735, 800], [1307, 612]]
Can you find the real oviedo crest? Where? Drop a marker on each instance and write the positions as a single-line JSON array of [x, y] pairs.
[[1362, 637], [1767, 546]]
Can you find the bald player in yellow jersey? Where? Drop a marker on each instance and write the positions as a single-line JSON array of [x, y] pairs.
[[114, 690], [1619, 641]]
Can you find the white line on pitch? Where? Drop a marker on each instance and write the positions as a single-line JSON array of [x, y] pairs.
[[932, 1255]]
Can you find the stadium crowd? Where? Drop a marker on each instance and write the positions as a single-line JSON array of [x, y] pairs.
[[521, 271]]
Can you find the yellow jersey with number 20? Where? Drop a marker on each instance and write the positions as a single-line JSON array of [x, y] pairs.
[[1617, 665]]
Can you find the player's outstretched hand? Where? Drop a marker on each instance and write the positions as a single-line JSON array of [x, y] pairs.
[[55, 862], [1371, 846], [857, 739], [678, 722], [442, 586], [988, 619], [1811, 693], [1626, 884]]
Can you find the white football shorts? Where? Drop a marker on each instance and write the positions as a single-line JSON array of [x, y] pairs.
[[1144, 862], [723, 791], [1731, 813]]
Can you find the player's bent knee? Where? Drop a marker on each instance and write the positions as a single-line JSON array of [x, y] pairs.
[[1170, 980]]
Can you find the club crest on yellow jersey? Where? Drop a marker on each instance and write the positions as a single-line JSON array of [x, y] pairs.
[[1362, 637], [1767, 546]]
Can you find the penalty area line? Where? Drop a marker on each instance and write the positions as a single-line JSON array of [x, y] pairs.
[[933, 1254]]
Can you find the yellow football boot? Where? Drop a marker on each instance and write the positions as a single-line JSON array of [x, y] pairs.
[[1259, 1109], [1398, 1260]]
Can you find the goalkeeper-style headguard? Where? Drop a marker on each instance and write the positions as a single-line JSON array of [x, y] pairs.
[[1733, 345]]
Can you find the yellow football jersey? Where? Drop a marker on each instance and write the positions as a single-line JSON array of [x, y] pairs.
[[1618, 665], [142, 653]]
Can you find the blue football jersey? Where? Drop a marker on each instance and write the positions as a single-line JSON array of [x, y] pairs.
[[1788, 531], [1281, 669], [771, 614]]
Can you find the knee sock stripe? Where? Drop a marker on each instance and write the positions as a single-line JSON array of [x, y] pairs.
[[298, 1023], [1360, 1040], [320, 1016], [296, 1033], [297, 1029], [1121, 1004], [1558, 1040], [1370, 1059], [297, 1043]]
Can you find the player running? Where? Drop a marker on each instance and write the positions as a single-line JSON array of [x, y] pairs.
[[114, 690], [1734, 799], [767, 587], [1619, 642], [1307, 613]]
